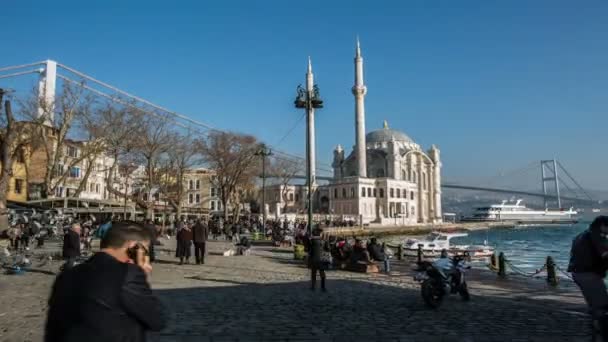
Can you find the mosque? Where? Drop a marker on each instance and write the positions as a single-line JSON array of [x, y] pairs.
[[387, 178]]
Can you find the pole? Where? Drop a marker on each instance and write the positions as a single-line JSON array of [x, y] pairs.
[[264, 192], [309, 158], [124, 214], [559, 200], [542, 173]]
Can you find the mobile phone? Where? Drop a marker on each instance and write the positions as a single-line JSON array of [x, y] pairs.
[[132, 253]]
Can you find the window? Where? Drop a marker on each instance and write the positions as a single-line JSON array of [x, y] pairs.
[[91, 187], [59, 171], [403, 175], [191, 185], [213, 192], [212, 203], [352, 192], [343, 192], [415, 177], [369, 192], [298, 197], [398, 193], [405, 193], [198, 198], [375, 193], [291, 196], [335, 192], [72, 151], [412, 195], [58, 191], [74, 172], [190, 198], [362, 192], [381, 193], [392, 192], [18, 186], [97, 188], [198, 184], [20, 157]]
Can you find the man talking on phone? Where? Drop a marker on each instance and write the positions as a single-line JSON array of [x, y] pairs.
[[107, 298]]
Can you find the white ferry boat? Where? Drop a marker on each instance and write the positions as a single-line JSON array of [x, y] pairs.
[[433, 243], [519, 213]]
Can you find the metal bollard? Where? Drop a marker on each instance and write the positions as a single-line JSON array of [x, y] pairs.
[[493, 262], [399, 252], [502, 271], [419, 253], [551, 274]]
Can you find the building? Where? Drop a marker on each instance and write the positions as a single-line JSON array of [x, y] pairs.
[[17, 184], [201, 195], [387, 178]]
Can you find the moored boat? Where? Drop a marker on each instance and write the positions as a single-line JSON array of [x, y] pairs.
[[435, 242]]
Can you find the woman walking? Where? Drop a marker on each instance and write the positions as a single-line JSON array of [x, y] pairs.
[[184, 244], [318, 251]]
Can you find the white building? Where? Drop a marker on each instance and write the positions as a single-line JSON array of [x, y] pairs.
[[387, 178]]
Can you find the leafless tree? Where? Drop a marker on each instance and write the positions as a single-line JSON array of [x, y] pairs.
[[180, 158], [14, 136], [285, 170], [233, 158]]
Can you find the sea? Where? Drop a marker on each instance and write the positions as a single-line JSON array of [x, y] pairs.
[[526, 247]]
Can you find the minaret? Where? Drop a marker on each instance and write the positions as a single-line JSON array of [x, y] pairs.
[[311, 123], [359, 90]]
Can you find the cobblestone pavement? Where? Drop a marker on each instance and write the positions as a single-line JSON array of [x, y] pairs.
[[266, 297]]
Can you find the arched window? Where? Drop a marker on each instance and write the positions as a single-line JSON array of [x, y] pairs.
[[381, 193], [343, 192], [403, 175], [362, 192], [335, 192], [352, 192]]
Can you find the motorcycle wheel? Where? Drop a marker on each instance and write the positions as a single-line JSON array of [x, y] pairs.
[[432, 293], [464, 292]]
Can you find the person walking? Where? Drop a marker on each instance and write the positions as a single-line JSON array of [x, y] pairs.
[[71, 245], [200, 234], [107, 298], [184, 244], [317, 250]]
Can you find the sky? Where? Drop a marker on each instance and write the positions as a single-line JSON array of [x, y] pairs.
[[496, 85]]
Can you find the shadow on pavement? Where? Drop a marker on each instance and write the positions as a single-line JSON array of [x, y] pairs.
[[355, 310]]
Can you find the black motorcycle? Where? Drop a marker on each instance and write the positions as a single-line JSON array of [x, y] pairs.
[[442, 277]]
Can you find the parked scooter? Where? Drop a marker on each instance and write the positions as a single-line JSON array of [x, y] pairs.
[[443, 277]]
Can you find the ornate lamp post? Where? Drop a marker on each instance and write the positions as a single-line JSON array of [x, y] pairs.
[[309, 99], [264, 152]]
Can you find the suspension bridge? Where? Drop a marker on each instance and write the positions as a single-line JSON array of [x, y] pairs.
[[562, 185]]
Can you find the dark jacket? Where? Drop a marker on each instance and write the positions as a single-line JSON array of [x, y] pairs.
[[102, 300], [376, 252], [586, 255], [316, 246], [71, 244], [184, 234], [200, 232]]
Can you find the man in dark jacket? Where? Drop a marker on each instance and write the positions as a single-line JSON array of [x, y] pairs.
[[376, 252], [200, 233], [71, 245], [107, 298], [588, 264], [316, 248]]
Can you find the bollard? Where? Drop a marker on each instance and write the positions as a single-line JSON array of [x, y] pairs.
[[551, 274], [493, 262], [399, 252], [502, 271], [419, 253]]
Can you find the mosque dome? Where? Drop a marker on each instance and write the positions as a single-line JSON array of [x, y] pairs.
[[386, 134]]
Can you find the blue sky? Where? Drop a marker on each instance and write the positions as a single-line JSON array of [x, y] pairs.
[[496, 85]]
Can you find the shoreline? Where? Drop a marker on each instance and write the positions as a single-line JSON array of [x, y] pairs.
[[414, 229]]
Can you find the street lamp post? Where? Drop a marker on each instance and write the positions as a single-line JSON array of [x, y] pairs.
[[309, 99], [263, 152]]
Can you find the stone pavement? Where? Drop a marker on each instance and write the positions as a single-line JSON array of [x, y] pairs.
[[266, 297]]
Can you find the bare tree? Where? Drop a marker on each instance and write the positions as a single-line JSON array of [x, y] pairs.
[[233, 158], [14, 136], [54, 123], [179, 159], [285, 170]]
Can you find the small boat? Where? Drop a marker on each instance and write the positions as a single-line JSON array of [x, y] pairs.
[[596, 210], [435, 242]]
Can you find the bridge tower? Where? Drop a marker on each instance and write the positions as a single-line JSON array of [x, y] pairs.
[[46, 90], [552, 176]]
